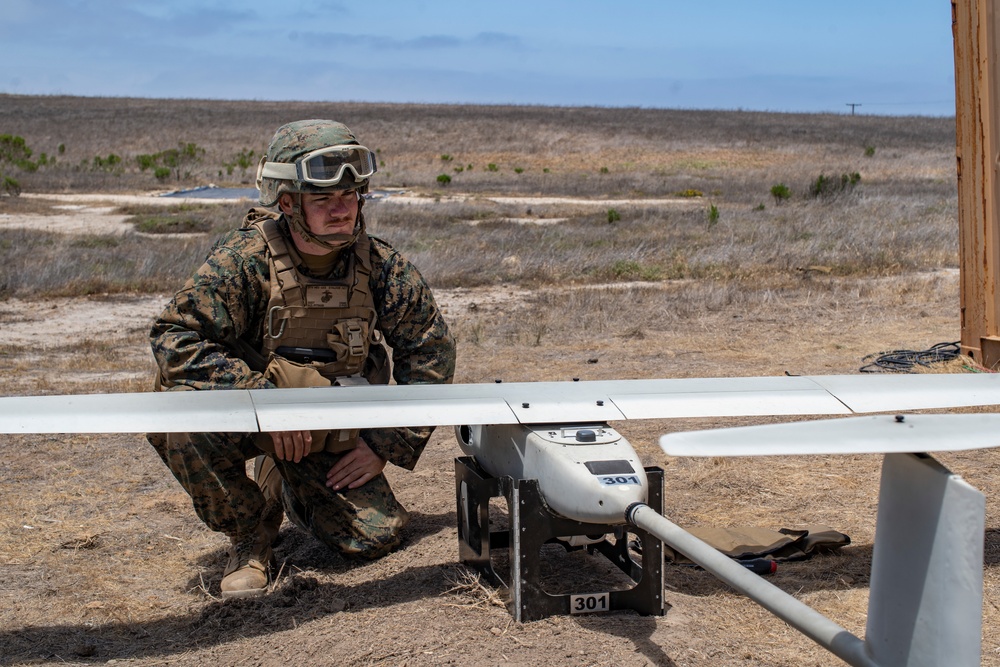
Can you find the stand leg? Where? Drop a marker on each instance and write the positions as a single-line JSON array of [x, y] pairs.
[[532, 525]]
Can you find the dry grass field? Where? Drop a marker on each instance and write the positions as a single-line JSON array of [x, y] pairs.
[[604, 243]]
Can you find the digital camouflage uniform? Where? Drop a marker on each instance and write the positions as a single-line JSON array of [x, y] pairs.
[[200, 342]]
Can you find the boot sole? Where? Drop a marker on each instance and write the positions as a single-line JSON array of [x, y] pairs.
[[253, 592], [250, 593]]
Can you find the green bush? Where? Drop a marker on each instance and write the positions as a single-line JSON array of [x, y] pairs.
[[518, 170], [825, 185], [169, 223], [690, 192], [492, 167], [244, 159], [713, 215], [175, 159], [109, 163], [444, 179], [869, 151], [780, 192], [820, 186], [605, 170], [10, 186], [15, 152], [613, 216], [629, 269]]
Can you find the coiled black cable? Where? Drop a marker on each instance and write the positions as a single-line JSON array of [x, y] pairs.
[[903, 361]]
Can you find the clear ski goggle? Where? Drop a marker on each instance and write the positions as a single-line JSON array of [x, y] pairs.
[[323, 166]]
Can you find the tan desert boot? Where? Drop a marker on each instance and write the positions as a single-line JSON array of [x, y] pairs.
[[249, 568], [265, 472]]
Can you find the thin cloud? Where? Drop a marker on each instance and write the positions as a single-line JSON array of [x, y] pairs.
[[422, 43], [497, 39]]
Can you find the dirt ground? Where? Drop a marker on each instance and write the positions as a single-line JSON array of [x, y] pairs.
[[104, 562]]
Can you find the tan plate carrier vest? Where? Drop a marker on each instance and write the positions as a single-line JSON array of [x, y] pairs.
[[318, 314]]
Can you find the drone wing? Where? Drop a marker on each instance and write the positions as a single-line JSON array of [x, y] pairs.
[[877, 434], [495, 403]]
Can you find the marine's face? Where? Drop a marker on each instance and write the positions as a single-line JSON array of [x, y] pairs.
[[330, 212], [324, 213]]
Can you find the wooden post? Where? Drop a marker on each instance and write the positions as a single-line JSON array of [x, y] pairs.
[[974, 24]]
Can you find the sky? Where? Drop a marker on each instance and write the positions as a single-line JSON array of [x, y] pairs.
[[891, 57]]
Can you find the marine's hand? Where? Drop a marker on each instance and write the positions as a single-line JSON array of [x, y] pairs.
[[355, 468], [291, 445]]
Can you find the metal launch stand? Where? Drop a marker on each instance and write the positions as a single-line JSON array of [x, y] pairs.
[[531, 525]]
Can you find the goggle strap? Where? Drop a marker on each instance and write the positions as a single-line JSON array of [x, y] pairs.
[[281, 171], [293, 172]]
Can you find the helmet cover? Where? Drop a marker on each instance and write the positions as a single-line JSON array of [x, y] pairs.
[[293, 140]]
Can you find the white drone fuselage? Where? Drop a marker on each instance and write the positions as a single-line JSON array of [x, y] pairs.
[[585, 472]]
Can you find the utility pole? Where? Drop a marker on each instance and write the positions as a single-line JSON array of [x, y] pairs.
[[852, 105], [977, 67]]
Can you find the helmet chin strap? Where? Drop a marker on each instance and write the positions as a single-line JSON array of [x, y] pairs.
[[332, 242]]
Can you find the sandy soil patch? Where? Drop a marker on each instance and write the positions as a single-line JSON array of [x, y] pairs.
[[151, 198], [575, 201], [50, 323], [82, 220], [90, 213], [518, 221], [424, 200]]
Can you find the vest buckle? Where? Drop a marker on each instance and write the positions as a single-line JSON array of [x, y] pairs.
[[355, 339]]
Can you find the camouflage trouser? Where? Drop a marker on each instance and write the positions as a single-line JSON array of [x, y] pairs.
[[211, 467]]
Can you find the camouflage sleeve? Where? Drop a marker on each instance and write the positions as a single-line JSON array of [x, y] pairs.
[[423, 350], [195, 338]]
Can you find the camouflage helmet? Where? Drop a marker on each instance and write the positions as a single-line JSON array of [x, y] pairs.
[[313, 156]]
